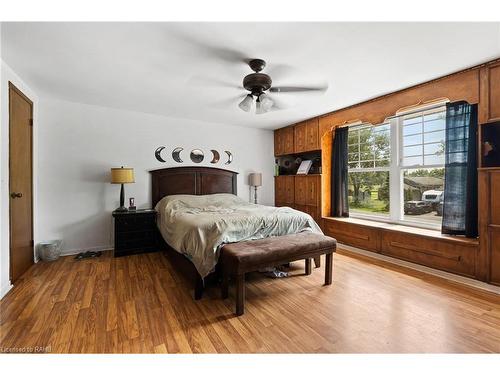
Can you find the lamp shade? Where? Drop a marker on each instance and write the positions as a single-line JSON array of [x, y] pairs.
[[255, 179], [122, 175], [246, 104]]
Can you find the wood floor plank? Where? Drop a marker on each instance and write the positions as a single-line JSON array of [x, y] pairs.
[[141, 304]]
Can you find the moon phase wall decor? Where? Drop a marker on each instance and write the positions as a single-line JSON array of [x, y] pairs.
[[229, 157], [158, 154], [196, 156], [176, 154], [215, 156]]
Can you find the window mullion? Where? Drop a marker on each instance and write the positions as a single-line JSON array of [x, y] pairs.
[[395, 173]]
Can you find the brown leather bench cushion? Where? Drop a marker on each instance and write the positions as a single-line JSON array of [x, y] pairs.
[[247, 256]]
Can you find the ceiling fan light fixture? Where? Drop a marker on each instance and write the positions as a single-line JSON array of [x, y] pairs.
[[266, 102], [246, 104], [259, 108]]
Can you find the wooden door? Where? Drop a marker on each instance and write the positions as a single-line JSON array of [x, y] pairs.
[[313, 190], [20, 182], [312, 135], [300, 136]]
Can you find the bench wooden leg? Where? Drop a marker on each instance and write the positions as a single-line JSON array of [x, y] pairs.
[[328, 268], [240, 294], [225, 286], [308, 266], [317, 262]]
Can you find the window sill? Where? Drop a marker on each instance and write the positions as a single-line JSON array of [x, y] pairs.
[[430, 233]]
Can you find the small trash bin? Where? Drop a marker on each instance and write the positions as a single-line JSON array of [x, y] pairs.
[[49, 250]]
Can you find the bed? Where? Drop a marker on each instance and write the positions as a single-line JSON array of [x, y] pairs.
[[199, 211]]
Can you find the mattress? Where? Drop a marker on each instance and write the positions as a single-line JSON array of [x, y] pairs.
[[198, 225]]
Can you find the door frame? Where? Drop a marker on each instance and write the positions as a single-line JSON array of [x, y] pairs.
[[13, 88]]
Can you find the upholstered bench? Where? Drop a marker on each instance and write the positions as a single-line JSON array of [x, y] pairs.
[[236, 259]]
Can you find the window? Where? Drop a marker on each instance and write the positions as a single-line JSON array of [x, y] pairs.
[[369, 163], [396, 170]]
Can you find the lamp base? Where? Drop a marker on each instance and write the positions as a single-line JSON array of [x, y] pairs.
[[121, 209]]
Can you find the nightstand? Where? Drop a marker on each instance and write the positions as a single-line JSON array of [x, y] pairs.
[[135, 232]]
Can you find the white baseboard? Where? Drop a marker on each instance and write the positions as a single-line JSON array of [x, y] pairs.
[[445, 275], [5, 290]]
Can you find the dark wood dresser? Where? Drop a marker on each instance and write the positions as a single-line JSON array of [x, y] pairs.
[[135, 232]]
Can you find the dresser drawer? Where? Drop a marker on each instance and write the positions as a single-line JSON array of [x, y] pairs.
[[133, 240], [445, 255], [352, 234], [135, 223]]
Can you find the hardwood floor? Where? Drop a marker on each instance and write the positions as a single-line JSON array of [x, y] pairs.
[[140, 304]]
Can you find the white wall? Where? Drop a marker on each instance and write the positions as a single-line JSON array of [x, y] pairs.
[[8, 75], [78, 144]]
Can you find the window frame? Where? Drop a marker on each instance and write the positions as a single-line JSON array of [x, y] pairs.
[[396, 168]]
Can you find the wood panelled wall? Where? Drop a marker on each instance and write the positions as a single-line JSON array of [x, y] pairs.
[[477, 85]]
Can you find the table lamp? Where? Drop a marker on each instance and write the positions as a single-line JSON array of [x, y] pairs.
[[255, 180], [122, 176]]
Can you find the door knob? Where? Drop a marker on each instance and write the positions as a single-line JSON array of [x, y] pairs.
[[16, 195]]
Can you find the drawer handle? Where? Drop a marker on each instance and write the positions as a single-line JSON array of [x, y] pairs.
[[427, 252]]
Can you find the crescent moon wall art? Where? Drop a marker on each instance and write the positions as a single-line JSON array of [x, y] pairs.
[[216, 156], [176, 154], [158, 154], [229, 157]]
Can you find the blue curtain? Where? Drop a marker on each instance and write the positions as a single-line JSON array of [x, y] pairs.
[[460, 190], [339, 179]]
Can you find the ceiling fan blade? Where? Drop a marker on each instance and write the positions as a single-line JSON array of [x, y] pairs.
[[277, 103], [206, 47], [286, 89], [203, 81], [229, 103]]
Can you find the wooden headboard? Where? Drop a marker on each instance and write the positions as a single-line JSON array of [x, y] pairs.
[[191, 180]]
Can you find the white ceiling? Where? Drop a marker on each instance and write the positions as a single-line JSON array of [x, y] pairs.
[[191, 70]]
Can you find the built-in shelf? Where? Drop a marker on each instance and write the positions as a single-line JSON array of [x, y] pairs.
[[490, 145]]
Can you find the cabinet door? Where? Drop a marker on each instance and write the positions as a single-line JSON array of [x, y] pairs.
[[312, 135], [278, 142], [280, 190], [288, 141], [313, 190], [290, 189], [300, 190], [300, 137], [494, 198], [494, 243], [489, 106]]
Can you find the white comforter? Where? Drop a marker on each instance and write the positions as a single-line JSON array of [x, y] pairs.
[[197, 225]]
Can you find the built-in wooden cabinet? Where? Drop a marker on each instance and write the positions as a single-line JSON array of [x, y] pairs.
[[298, 138], [306, 136], [447, 255], [426, 247], [489, 83], [300, 189], [489, 223], [284, 141], [301, 192], [284, 190]]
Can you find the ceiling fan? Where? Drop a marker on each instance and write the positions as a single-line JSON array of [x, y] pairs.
[[259, 86]]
